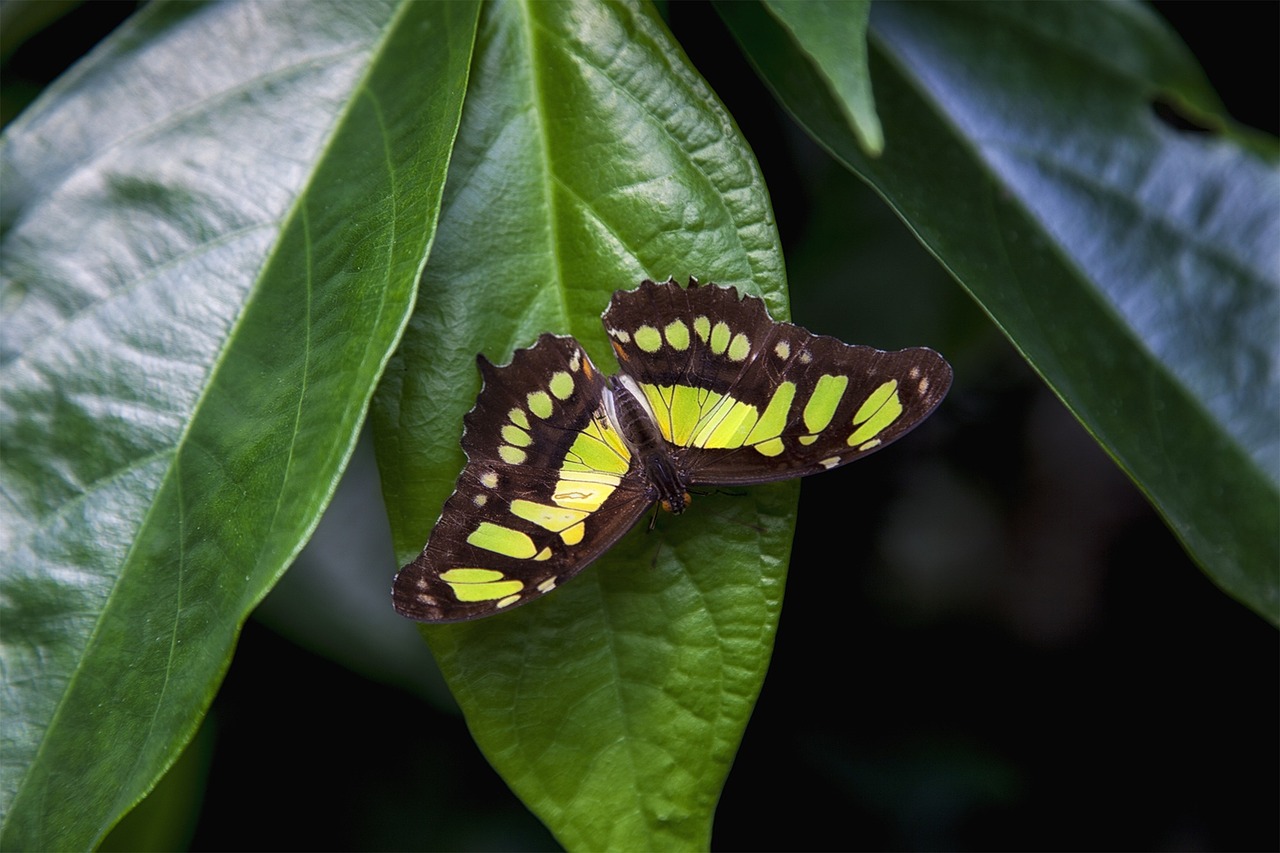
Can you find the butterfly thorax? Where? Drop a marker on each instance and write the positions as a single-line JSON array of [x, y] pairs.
[[629, 410]]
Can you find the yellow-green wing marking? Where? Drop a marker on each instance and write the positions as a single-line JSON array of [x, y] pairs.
[[546, 490], [745, 399]]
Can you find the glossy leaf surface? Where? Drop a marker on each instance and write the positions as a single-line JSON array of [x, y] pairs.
[[590, 157], [203, 276]]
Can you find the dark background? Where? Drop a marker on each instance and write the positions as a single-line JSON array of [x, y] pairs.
[[1000, 675]]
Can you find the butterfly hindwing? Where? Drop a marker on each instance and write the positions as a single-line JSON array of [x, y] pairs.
[[548, 486], [745, 399]]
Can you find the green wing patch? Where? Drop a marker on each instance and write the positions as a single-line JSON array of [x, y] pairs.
[[745, 399], [561, 461], [544, 492]]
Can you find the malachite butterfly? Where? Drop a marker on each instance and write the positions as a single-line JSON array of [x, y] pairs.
[[562, 460]]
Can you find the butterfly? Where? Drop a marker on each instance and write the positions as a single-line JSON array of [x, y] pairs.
[[712, 391]]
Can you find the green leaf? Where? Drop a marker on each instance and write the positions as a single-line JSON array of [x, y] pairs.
[[203, 276], [1132, 264], [592, 156], [832, 34]]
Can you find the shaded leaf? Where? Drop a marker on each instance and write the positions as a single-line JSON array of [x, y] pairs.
[[1133, 265], [833, 35]]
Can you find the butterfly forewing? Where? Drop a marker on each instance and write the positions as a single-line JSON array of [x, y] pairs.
[[545, 490], [745, 399]]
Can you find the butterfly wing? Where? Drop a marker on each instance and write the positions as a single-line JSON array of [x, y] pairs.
[[746, 399], [548, 486]]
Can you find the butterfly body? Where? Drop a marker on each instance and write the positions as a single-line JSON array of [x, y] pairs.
[[654, 456], [712, 391]]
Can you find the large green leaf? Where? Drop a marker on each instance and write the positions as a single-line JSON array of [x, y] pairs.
[[591, 156], [1132, 264], [204, 271]]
